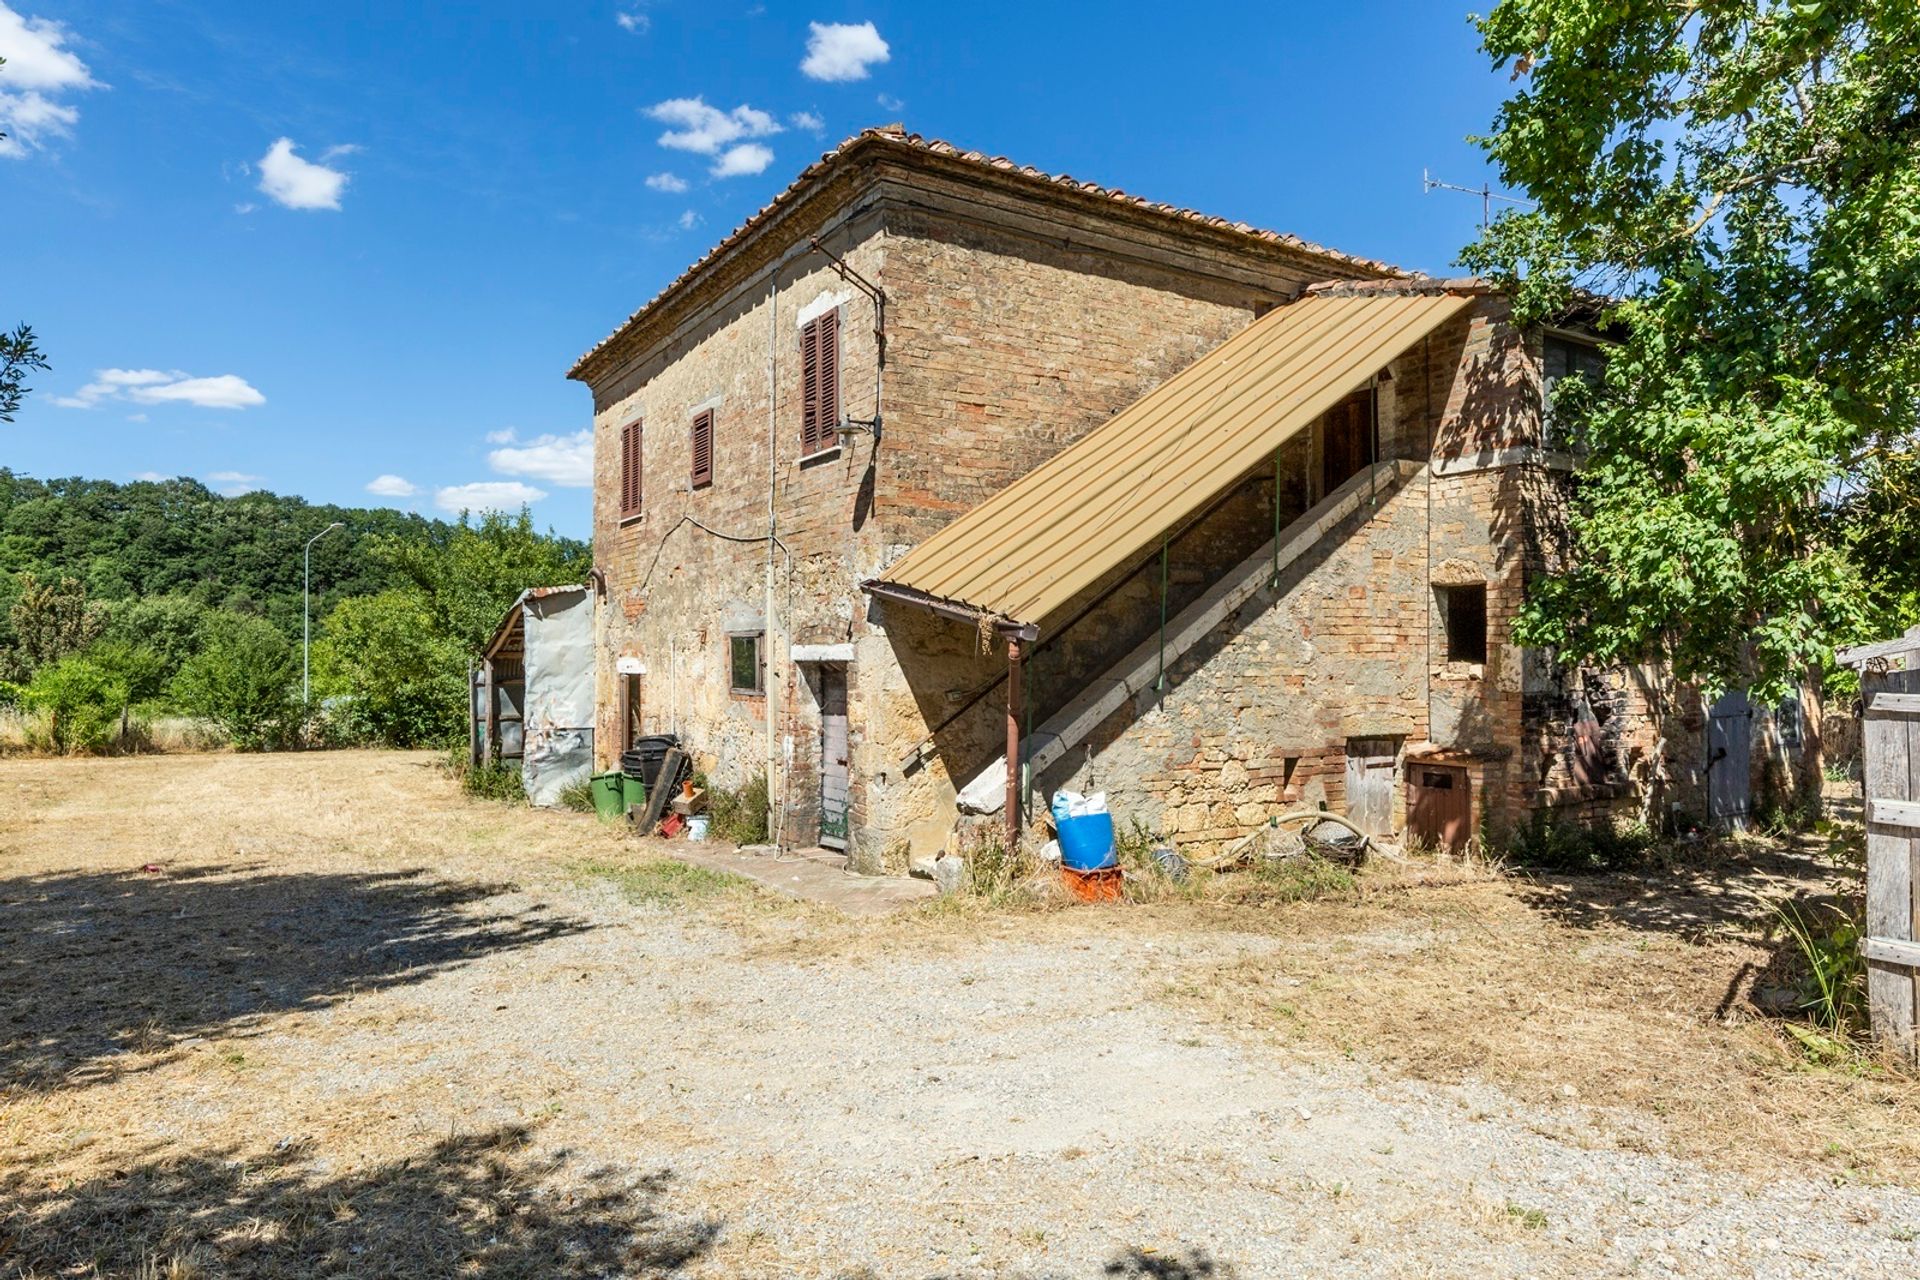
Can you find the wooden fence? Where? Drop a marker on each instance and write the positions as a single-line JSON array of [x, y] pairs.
[[1890, 739]]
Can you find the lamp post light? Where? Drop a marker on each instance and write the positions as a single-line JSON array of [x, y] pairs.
[[306, 615]]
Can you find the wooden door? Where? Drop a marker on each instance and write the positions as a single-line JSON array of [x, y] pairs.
[[833, 756], [1439, 806], [1729, 759], [1370, 769], [1346, 440]]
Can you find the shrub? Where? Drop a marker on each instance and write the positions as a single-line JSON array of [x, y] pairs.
[[578, 796], [242, 679], [500, 780], [397, 680], [1561, 845], [89, 697], [740, 816]]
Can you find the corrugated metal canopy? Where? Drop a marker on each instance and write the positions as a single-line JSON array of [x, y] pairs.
[[1100, 502]]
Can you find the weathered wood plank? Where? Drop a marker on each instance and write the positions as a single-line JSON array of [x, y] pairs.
[[1891, 951], [1853, 657], [1890, 988], [1894, 813], [1899, 704]]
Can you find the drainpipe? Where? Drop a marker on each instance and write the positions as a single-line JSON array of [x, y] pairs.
[[776, 811], [1013, 743]]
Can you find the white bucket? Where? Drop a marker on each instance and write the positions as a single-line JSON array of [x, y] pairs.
[[697, 827]]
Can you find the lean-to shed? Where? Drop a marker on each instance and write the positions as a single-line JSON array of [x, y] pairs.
[[531, 693]]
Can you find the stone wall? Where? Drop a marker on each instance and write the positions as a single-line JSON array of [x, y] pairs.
[[1002, 346]]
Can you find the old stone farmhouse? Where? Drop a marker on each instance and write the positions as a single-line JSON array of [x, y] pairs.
[[938, 454]]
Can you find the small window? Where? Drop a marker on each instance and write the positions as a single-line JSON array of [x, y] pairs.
[[1562, 358], [747, 674], [1463, 611], [819, 383], [630, 444], [703, 448]]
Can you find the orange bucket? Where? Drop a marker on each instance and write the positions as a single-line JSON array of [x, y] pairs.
[[1093, 886]]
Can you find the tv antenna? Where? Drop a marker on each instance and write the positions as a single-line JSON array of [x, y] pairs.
[[1429, 183]]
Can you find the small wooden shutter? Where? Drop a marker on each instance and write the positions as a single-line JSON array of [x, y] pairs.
[[829, 376], [630, 440], [703, 448], [819, 382]]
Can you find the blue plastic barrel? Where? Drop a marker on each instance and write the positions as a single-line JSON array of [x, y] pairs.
[[1086, 844]]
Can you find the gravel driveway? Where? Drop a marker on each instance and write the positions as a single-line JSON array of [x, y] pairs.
[[713, 1084]]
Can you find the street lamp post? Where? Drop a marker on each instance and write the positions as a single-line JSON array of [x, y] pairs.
[[306, 615]]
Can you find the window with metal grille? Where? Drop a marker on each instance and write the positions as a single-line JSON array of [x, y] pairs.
[[819, 382], [630, 442], [703, 449], [746, 672], [1463, 612]]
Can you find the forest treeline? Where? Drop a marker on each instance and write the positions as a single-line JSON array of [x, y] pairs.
[[123, 603]]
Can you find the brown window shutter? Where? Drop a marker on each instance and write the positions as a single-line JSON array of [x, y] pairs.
[[703, 448], [829, 377], [809, 387], [630, 441]]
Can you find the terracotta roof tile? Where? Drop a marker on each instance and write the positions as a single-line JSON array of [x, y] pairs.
[[898, 137]]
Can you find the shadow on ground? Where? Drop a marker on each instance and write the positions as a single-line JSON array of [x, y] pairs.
[[484, 1205], [104, 971], [1726, 890]]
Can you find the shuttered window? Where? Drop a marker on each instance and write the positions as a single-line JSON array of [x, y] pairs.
[[703, 448], [630, 471], [819, 382]]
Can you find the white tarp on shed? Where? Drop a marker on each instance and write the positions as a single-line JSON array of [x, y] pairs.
[[558, 710]]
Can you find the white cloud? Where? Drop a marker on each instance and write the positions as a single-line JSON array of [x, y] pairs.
[[689, 220], [633, 21], [748, 157], [234, 483], [298, 183], [706, 129], [37, 72], [671, 183], [888, 101], [151, 386], [563, 461], [153, 477], [503, 436], [487, 495], [392, 486], [842, 50], [811, 121]]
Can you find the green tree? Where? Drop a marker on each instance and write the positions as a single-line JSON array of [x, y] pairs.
[[242, 679], [20, 355], [1744, 176], [49, 621], [468, 575], [170, 626], [89, 698], [404, 682]]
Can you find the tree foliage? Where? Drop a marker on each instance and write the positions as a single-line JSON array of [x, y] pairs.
[[400, 680], [49, 621], [1744, 176], [20, 355], [242, 679], [89, 697], [468, 574]]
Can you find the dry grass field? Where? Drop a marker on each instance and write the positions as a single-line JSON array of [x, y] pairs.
[[303, 1015]]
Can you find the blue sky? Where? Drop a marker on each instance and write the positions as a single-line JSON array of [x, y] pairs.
[[314, 247]]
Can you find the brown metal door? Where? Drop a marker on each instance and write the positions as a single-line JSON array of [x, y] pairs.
[[1439, 806], [833, 756]]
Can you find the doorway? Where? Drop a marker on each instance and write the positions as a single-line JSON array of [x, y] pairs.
[[1439, 806], [1370, 770], [833, 756], [1729, 760], [1346, 440]]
